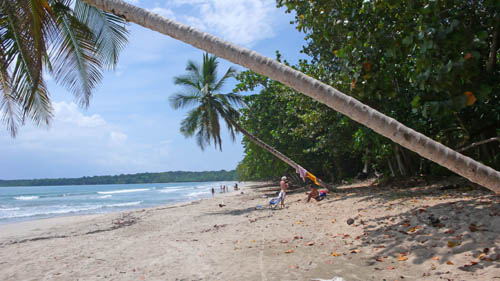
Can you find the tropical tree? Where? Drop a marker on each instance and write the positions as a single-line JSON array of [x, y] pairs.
[[432, 65], [68, 39], [202, 91], [319, 91]]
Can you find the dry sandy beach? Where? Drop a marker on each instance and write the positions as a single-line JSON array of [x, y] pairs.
[[392, 238]]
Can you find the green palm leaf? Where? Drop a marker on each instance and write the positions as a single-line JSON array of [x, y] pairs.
[[22, 29], [76, 65], [109, 31]]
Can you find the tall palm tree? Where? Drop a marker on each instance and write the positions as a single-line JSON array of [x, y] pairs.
[[202, 91], [69, 39], [380, 123]]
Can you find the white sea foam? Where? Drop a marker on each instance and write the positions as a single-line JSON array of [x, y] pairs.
[[125, 204], [26, 197], [195, 194], [9, 209], [105, 196], [55, 210], [174, 187], [59, 210], [123, 191], [170, 190]]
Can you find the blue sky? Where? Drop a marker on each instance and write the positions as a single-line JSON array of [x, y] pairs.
[[129, 126]]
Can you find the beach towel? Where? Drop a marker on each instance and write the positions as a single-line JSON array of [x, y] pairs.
[[302, 172], [313, 178]]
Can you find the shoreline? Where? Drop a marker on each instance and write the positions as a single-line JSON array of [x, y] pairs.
[[12, 228], [391, 238], [17, 220]]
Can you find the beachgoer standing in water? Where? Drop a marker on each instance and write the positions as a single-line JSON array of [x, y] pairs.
[[213, 192], [284, 187]]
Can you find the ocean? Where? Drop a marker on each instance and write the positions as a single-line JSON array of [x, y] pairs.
[[22, 203]]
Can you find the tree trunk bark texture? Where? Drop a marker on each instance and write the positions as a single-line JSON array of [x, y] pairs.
[[359, 112]]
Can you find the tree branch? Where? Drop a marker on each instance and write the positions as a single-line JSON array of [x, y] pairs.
[[474, 144]]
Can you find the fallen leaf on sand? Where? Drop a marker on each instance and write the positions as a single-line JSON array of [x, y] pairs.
[[252, 241], [356, 251], [402, 257], [436, 258], [334, 220], [335, 254], [294, 267], [298, 222], [379, 259], [451, 231], [413, 229], [452, 244], [289, 251], [481, 256], [390, 268], [310, 244], [284, 241], [449, 262]]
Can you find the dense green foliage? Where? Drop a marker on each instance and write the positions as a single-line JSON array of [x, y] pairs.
[[432, 65], [175, 176], [307, 131]]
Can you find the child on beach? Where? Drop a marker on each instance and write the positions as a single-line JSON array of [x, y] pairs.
[[284, 186]]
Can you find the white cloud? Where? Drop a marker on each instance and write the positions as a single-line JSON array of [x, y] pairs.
[[133, 1], [69, 113], [163, 12], [240, 21], [116, 138]]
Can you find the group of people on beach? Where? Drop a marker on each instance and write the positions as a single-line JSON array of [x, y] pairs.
[[313, 192], [224, 189]]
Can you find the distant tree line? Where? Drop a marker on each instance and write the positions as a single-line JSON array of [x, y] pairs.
[[174, 176]]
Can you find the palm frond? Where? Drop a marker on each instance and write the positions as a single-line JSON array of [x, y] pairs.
[[188, 81], [190, 124], [209, 70], [231, 72], [8, 103], [74, 57], [109, 31], [181, 100], [27, 87], [213, 122], [231, 99]]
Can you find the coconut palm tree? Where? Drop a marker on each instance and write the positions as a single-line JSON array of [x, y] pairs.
[[68, 39], [380, 123], [202, 91]]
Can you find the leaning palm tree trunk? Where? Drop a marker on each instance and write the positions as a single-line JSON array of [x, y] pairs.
[[380, 123], [274, 152]]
